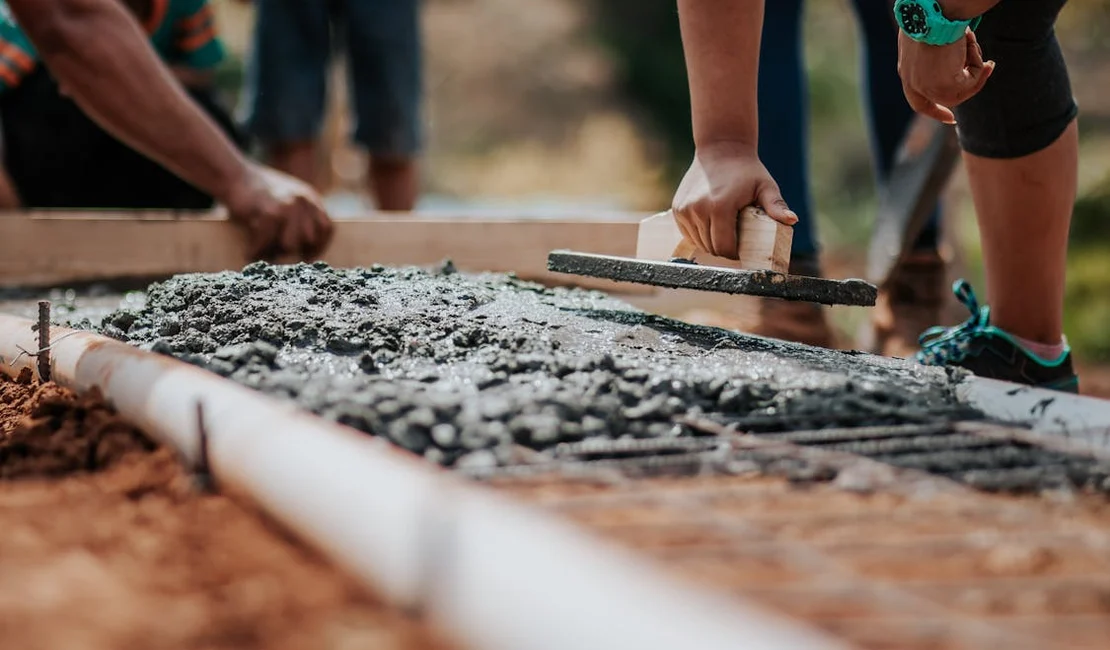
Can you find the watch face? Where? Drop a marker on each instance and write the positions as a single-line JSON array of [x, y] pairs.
[[913, 17]]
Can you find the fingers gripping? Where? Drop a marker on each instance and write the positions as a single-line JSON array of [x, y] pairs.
[[769, 197], [722, 231]]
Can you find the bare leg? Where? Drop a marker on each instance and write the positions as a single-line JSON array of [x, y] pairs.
[[9, 197], [297, 159], [1024, 208], [394, 182]]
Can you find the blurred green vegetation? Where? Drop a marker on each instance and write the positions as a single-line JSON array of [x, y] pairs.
[[644, 39], [1087, 316]]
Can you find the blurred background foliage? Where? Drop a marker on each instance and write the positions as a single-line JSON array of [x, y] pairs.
[[584, 103]]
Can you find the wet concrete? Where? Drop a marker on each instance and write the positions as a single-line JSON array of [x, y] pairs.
[[689, 275], [468, 369]]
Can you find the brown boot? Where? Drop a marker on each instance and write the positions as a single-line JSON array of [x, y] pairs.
[[800, 322], [912, 302]]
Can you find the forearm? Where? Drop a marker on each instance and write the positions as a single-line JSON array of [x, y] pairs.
[[96, 50], [966, 9], [193, 78], [721, 41]]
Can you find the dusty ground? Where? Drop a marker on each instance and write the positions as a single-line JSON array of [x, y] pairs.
[[902, 568], [107, 544]]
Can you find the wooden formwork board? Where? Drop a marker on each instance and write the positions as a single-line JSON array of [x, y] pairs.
[[48, 248]]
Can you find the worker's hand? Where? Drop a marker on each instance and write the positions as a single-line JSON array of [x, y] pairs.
[[936, 79], [724, 179], [282, 215]]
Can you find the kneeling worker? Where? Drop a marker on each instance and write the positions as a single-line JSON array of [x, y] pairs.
[[98, 55]]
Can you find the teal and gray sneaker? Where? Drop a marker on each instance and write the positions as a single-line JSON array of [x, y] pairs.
[[988, 351]]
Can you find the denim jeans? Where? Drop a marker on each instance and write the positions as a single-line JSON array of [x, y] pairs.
[[783, 110]]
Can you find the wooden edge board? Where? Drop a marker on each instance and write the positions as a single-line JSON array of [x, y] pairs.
[[453, 215], [54, 249]]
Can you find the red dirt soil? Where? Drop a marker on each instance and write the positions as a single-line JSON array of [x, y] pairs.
[[106, 543]]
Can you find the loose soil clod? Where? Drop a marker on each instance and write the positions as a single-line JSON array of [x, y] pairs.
[[48, 431]]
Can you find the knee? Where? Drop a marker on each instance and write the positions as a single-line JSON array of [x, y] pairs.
[[1028, 103]]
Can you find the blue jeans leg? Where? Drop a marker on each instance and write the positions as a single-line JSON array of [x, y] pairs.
[[889, 115], [286, 87], [783, 116], [383, 43]]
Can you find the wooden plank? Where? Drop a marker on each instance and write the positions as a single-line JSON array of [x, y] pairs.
[[764, 243], [48, 248]]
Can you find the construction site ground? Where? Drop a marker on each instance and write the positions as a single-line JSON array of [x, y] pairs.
[[852, 493], [936, 568]]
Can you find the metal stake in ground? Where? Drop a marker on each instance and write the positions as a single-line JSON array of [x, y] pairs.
[[202, 474], [43, 355]]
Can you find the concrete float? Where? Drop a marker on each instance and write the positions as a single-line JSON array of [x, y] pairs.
[[497, 575]]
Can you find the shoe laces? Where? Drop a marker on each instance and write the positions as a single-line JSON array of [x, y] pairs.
[[941, 345]]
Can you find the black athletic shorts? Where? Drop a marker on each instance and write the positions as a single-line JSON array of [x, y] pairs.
[[1027, 103], [59, 158]]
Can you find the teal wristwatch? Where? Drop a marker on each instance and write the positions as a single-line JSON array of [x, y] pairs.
[[923, 21]]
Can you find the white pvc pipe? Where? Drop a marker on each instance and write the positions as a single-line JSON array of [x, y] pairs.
[[498, 575], [1082, 420]]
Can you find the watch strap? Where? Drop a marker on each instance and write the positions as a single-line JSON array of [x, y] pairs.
[[946, 32], [940, 30]]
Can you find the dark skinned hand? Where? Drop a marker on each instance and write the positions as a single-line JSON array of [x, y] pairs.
[[281, 215]]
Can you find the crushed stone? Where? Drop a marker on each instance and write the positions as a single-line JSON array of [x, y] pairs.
[[466, 369]]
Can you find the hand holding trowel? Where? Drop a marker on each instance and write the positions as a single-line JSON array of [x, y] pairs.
[[665, 258]]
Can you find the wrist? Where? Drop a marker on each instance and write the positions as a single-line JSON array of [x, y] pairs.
[[732, 148], [240, 190]]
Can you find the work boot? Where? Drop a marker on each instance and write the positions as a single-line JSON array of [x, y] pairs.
[[912, 302], [788, 320]]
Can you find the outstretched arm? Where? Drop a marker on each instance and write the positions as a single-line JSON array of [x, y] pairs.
[[721, 40], [101, 57], [98, 53]]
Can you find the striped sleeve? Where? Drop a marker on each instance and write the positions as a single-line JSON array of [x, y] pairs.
[[196, 42], [17, 56]]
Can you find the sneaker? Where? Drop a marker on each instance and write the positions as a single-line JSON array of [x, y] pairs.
[[988, 351], [912, 301]]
